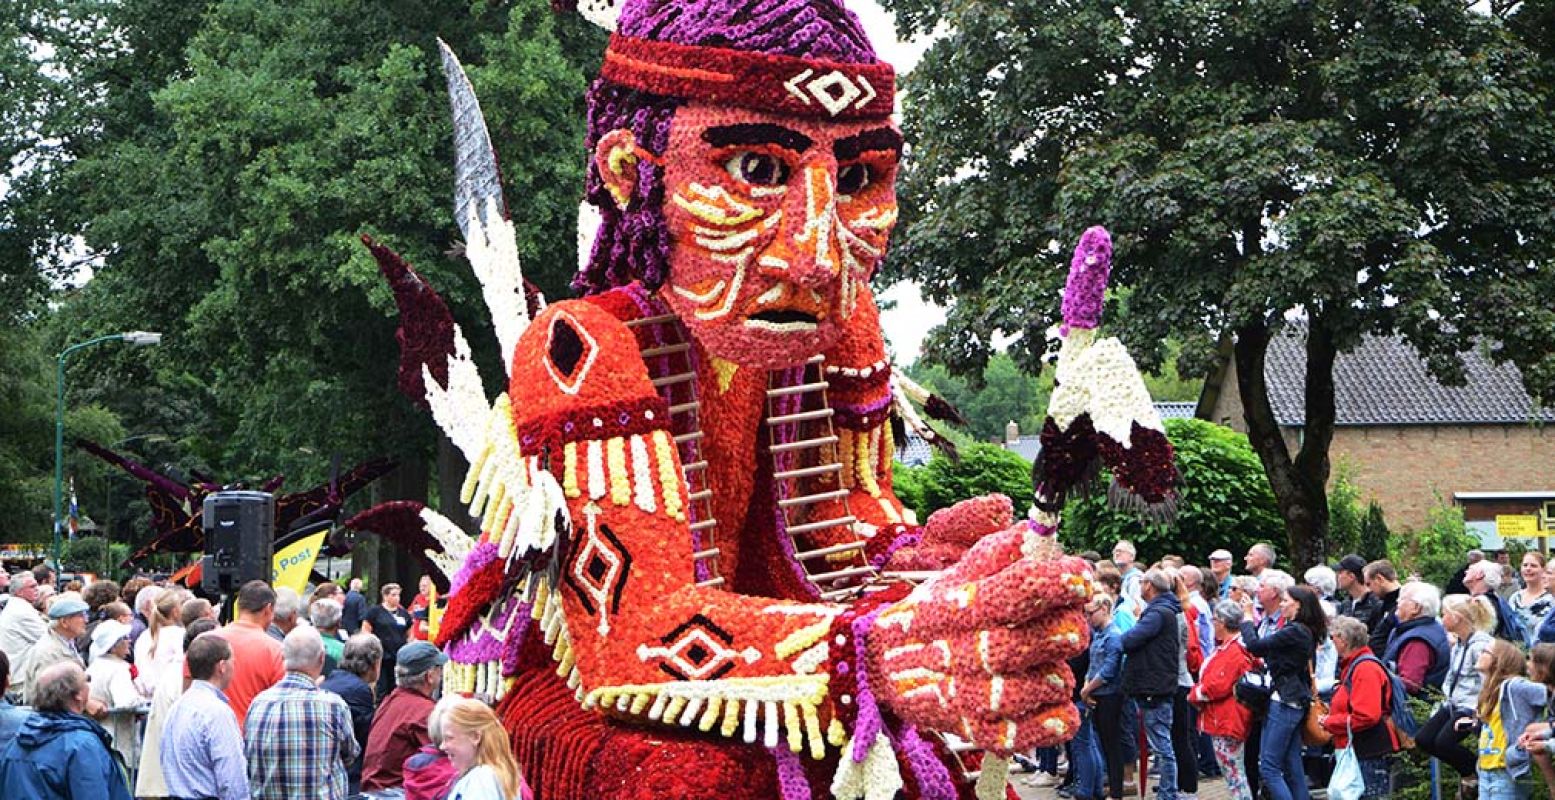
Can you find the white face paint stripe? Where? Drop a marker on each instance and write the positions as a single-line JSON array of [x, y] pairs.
[[699, 299], [739, 260]]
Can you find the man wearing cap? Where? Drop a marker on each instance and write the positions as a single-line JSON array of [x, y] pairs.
[[1355, 601], [1220, 568], [400, 727], [68, 616]]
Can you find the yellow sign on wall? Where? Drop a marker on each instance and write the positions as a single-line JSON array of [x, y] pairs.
[[1518, 525]]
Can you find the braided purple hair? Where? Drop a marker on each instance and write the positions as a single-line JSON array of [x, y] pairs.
[[633, 243]]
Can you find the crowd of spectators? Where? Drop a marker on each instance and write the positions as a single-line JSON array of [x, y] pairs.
[[98, 701], [1261, 678]]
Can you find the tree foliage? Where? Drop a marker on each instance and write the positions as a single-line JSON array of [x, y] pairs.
[[981, 469], [1380, 167], [221, 163], [1225, 501]]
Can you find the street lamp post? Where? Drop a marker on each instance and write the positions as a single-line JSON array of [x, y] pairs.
[[134, 338]]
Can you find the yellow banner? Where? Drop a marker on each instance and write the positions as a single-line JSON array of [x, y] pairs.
[[1517, 525], [294, 563]]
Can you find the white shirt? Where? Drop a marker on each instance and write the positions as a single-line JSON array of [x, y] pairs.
[[151, 665], [480, 783], [20, 626], [113, 686]]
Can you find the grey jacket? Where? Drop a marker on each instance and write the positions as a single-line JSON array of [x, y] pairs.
[[1464, 681], [1521, 701]]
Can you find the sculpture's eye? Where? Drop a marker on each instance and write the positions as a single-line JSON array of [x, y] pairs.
[[758, 169], [852, 178]]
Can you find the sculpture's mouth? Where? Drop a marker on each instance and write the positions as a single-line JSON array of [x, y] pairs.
[[783, 320]]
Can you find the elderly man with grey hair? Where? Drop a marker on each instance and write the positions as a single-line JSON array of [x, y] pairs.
[[288, 607], [353, 680], [325, 615], [21, 624], [1259, 558], [1482, 579], [1417, 649], [297, 736], [59, 752], [400, 727], [1272, 586]]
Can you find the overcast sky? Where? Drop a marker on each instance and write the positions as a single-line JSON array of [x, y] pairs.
[[909, 321]]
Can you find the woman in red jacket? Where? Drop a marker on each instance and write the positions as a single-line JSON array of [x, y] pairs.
[[1361, 706], [1220, 715]]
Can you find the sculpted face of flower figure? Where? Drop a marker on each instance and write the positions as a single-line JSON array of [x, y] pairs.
[[775, 224]]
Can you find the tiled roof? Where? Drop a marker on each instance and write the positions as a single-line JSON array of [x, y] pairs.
[[1383, 381], [1176, 410]]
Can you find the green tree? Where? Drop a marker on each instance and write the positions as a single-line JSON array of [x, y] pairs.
[[981, 469], [1225, 501], [1374, 538], [1379, 167], [1345, 514], [1002, 393], [1434, 552], [237, 150]]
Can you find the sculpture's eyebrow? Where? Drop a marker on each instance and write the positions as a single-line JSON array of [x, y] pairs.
[[851, 147], [757, 133]]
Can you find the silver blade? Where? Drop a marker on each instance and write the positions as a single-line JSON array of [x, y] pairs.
[[476, 177]]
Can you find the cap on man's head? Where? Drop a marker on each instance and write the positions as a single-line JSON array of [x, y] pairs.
[[1353, 564], [419, 657], [68, 604], [1220, 555]]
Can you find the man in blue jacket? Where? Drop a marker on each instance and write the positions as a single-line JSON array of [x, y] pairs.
[[1150, 672], [61, 754]]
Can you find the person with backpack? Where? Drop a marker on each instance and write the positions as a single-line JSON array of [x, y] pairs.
[[1469, 620], [1508, 702], [1482, 580], [1288, 654], [1363, 698], [1417, 648]]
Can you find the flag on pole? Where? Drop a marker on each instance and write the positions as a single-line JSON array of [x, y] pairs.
[[75, 510]]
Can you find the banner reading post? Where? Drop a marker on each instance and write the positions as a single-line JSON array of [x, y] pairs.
[[294, 563]]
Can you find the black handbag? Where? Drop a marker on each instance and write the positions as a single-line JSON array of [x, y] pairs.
[[1254, 690]]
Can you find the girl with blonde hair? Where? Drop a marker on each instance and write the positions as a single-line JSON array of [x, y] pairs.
[[162, 645], [481, 754], [1469, 621]]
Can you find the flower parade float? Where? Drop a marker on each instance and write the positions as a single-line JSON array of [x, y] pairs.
[[680, 586]]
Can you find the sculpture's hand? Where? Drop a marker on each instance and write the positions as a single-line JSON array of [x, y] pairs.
[[979, 651], [950, 532]]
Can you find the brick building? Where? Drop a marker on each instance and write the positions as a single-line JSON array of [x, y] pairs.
[[1406, 438]]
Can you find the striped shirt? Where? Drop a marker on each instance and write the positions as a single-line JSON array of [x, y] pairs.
[[299, 742], [202, 751]]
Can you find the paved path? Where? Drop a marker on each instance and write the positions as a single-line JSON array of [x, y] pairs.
[[1208, 789]]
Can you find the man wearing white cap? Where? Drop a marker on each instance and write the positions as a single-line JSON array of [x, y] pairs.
[[1220, 568], [109, 674], [68, 615]]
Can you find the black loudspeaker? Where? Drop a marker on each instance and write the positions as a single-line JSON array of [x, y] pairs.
[[239, 540]]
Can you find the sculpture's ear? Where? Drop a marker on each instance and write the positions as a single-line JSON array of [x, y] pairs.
[[616, 158]]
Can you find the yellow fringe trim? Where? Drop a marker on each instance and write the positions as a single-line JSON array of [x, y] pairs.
[[664, 450], [620, 478], [570, 469]]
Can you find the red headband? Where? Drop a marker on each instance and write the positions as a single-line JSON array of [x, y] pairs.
[[800, 87]]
